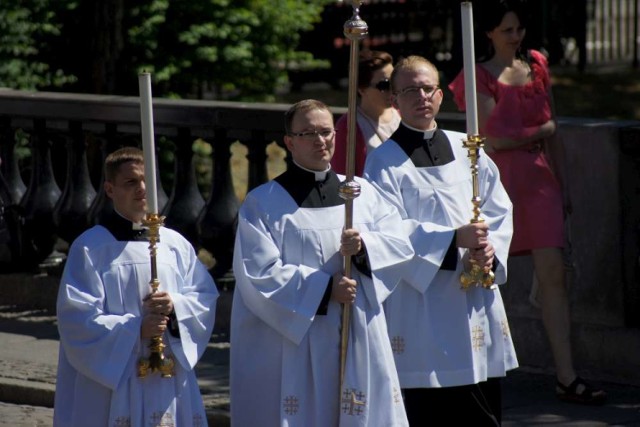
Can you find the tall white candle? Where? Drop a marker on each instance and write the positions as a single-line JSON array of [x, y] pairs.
[[471, 100], [148, 143]]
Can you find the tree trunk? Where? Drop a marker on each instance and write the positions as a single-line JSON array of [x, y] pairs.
[[104, 45]]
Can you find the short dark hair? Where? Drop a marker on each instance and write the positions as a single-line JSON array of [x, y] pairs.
[[302, 106], [369, 62], [119, 157]]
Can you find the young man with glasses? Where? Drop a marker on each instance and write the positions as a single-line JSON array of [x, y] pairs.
[[450, 345], [376, 119], [290, 287]]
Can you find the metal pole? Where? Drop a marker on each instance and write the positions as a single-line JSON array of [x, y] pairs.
[[355, 29]]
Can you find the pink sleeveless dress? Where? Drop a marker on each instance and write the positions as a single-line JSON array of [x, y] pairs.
[[524, 171]]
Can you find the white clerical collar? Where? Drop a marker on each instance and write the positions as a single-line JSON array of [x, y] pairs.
[[134, 225], [320, 175], [428, 134]]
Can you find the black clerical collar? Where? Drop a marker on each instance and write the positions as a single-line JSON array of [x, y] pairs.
[[435, 151], [123, 229], [318, 175], [426, 134], [302, 186]]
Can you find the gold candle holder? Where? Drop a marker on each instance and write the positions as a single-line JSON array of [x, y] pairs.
[[157, 361], [478, 276]]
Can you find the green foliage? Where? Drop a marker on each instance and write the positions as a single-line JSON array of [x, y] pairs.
[[229, 49], [25, 28]]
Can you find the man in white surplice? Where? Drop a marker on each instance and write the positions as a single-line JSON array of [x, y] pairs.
[[451, 346], [286, 315], [107, 316]]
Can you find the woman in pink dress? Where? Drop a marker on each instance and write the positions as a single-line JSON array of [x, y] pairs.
[[376, 119], [515, 115]]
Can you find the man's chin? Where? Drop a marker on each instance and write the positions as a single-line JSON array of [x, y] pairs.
[[142, 209]]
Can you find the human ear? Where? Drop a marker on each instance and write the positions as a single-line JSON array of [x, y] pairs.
[[108, 189], [288, 142], [489, 35], [394, 102]]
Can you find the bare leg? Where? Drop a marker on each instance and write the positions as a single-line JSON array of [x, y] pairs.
[[554, 303]]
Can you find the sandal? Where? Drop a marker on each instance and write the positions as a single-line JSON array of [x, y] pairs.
[[580, 392]]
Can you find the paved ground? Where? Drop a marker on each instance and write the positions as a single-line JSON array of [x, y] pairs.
[[29, 354], [25, 416], [29, 358]]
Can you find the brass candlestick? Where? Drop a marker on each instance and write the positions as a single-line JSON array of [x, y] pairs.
[[157, 361], [478, 275], [355, 29]]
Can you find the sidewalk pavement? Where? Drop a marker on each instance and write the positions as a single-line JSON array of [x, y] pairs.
[[29, 356]]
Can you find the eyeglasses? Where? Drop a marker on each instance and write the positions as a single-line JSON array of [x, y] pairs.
[[312, 135], [383, 85], [429, 90]]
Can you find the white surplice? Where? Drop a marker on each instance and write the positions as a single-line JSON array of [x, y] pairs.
[[99, 316], [285, 358], [441, 335]]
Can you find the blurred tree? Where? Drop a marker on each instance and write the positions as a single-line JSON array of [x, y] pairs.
[[221, 48], [224, 49], [25, 28], [227, 49]]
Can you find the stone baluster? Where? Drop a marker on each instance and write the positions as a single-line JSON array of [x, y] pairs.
[[38, 203], [101, 204], [257, 159], [70, 215], [186, 201], [9, 168], [217, 222], [12, 189]]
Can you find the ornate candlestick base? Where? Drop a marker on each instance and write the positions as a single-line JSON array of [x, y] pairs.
[[478, 275], [157, 361]]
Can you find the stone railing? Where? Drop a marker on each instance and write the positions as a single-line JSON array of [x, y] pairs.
[[602, 167], [57, 194]]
